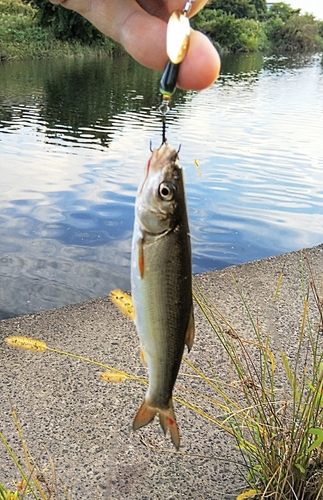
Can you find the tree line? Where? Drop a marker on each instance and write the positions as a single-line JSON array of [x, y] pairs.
[[232, 25], [248, 25]]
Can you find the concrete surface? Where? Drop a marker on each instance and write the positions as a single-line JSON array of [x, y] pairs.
[[85, 424]]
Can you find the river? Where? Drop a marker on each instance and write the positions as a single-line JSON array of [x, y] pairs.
[[75, 135]]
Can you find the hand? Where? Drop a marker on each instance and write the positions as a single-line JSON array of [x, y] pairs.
[[140, 26]]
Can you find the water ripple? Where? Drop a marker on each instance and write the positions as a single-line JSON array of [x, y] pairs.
[[72, 157]]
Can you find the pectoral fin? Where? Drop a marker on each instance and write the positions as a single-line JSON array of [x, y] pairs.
[[189, 338], [143, 357], [141, 260]]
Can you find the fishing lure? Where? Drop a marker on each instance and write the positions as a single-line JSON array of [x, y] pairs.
[[177, 42]]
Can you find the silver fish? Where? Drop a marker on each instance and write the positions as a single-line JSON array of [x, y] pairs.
[[161, 282]]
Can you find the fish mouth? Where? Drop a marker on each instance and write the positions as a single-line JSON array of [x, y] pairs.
[[154, 153], [158, 160]]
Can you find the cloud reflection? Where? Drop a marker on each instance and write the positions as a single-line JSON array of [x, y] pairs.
[[71, 162]]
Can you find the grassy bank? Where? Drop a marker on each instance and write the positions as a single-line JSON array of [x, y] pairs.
[[40, 30], [21, 37]]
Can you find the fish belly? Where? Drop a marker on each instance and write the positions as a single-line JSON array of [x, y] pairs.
[[162, 299]]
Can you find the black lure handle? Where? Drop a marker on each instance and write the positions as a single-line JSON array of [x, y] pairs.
[[168, 80]]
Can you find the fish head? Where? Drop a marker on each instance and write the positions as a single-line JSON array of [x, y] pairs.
[[161, 193]]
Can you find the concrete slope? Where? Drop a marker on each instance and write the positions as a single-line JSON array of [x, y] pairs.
[[84, 424]]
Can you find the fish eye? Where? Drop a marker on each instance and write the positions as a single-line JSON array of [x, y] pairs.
[[166, 191]]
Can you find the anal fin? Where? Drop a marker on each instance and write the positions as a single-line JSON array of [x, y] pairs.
[[189, 337], [143, 357]]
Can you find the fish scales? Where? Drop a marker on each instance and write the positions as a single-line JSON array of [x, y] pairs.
[[165, 307], [161, 283]]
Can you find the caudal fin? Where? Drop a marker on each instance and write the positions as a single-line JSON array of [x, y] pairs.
[[145, 415], [167, 420]]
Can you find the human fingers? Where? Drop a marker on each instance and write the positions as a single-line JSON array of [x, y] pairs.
[[158, 8], [108, 16], [164, 8], [201, 66], [144, 38], [80, 6]]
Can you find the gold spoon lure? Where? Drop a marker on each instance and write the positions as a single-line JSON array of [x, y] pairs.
[[177, 41]]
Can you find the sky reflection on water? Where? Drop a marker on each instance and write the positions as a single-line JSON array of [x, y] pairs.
[[74, 138]]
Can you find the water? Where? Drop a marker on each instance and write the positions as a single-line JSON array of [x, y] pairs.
[[75, 136]]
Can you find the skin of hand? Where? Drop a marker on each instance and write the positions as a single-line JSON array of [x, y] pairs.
[[140, 27]]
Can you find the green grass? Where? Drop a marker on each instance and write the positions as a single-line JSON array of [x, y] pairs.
[[270, 405], [34, 482], [22, 38], [279, 432]]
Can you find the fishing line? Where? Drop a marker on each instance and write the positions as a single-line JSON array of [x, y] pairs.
[[177, 41]]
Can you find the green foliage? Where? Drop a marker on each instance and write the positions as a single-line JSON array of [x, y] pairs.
[[239, 9], [298, 33], [271, 27], [15, 7], [36, 28], [249, 9], [62, 23], [283, 11], [320, 28], [243, 35], [288, 31], [6, 494], [21, 36], [33, 482], [16, 23], [234, 26], [65, 24], [261, 6]]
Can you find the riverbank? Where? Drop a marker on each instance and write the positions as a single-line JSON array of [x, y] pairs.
[[39, 30], [85, 424], [21, 37]]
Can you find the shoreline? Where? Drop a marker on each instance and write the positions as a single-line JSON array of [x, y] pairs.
[[85, 423]]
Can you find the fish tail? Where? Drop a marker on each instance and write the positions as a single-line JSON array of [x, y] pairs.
[[145, 415], [167, 420]]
